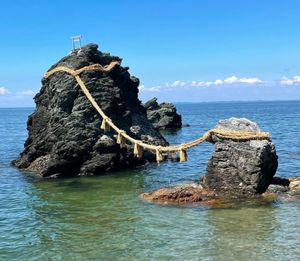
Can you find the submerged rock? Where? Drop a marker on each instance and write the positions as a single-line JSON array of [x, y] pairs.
[[65, 138], [163, 115], [240, 167], [195, 194], [191, 193]]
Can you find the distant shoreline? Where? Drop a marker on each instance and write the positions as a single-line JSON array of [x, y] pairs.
[[187, 102]]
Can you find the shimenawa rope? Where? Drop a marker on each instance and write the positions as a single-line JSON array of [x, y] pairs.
[[139, 145]]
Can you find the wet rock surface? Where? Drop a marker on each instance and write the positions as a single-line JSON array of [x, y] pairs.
[[240, 167], [281, 190], [163, 115], [65, 138], [195, 194]]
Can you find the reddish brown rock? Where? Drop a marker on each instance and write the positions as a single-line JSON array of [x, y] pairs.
[[180, 195]]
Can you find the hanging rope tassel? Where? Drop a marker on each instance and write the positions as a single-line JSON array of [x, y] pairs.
[[120, 139], [104, 125], [138, 150], [159, 156], [182, 155]]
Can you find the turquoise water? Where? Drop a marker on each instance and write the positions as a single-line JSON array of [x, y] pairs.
[[103, 218]]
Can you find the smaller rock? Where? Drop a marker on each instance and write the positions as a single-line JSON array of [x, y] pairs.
[[163, 116], [240, 167], [285, 186], [279, 185], [190, 193], [277, 189], [238, 124]]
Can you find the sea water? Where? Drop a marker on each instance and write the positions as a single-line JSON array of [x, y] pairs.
[[103, 218]]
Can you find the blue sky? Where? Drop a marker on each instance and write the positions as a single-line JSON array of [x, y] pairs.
[[210, 50]]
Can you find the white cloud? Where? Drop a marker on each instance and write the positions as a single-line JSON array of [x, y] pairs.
[[194, 83], [202, 84], [208, 83], [231, 80], [187, 84], [218, 82], [250, 80], [4, 91], [26, 93], [142, 88], [177, 84], [16, 98], [286, 81]]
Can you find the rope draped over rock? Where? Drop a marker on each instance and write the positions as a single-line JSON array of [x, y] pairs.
[[139, 145]]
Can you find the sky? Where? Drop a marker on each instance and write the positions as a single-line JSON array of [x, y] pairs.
[[182, 51]]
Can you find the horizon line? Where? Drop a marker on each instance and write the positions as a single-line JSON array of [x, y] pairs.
[[177, 102]]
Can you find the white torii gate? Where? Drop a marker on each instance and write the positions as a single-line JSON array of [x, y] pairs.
[[76, 39]]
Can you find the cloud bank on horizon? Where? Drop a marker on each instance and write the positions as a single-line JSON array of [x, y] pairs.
[[232, 88], [233, 84], [232, 80]]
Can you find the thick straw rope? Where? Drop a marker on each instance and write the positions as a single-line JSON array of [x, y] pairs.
[[139, 145]]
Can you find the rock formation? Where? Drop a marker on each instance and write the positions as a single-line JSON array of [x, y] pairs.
[[65, 138], [236, 169], [163, 115], [240, 167]]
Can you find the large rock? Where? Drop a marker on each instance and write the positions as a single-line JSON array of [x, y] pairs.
[[163, 115], [65, 138], [240, 167]]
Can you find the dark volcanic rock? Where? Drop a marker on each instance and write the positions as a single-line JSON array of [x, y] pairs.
[[240, 167], [162, 116], [65, 138]]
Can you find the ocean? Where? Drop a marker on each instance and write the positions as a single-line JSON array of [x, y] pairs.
[[103, 217]]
